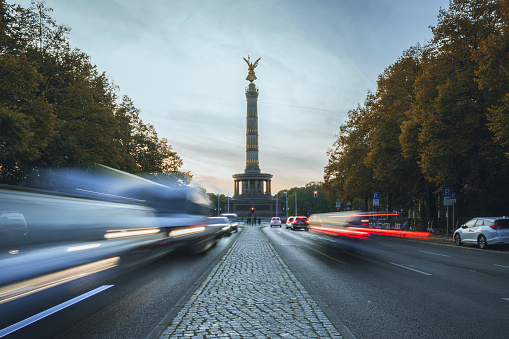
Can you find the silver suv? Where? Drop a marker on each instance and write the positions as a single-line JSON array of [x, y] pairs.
[[483, 232]]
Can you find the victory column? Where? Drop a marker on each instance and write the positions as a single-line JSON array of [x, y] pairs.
[[252, 189]]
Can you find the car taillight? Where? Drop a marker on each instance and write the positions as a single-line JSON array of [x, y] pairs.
[[496, 227]]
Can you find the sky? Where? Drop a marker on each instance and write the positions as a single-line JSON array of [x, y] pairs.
[[181, 62]]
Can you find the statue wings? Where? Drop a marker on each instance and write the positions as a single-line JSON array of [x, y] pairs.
[[251, 65], [256, 62]]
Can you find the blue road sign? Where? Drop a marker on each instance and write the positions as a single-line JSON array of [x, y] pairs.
[[376, 195], [447, 192]]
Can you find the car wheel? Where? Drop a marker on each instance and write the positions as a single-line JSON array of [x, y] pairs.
[[482, 242], [457, 240]]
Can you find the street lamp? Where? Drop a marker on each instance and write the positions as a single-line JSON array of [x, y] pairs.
[[286, 194]]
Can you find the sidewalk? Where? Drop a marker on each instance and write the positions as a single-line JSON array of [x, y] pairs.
[[251, 293]]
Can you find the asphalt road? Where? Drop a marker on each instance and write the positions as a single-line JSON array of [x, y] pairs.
[[381, 288], [130, 304], [399, 288]]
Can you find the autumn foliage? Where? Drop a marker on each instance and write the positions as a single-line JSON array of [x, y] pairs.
[[57, 109], [438, 118]]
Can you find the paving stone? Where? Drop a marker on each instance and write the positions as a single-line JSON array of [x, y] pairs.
[[251, 293]]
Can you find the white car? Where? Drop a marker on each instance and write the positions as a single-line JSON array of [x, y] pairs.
[[483, 232], [275, 221], [289, 222]]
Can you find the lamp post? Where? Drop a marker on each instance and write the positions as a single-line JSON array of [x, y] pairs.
[[276, 205], [295, 203], [286, 194]]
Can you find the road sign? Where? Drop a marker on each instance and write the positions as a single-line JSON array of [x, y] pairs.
[[447, 192], [376, 202], [376, 195]]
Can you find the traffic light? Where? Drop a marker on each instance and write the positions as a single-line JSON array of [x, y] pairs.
[[315, 193], [252, 209]]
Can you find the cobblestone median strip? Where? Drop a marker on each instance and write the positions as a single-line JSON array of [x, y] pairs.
[[251, 293]]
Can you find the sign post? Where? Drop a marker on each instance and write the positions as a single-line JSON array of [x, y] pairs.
[[453, 201], [376, 200], [447, 202]]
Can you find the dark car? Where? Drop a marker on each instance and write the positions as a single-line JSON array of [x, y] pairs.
[[300, 222]]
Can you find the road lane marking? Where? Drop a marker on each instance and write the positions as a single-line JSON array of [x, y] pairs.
[[409, 268], [325, 255], [506, 299], [48, 312], [443, 255], [381, 243], [501, 266]]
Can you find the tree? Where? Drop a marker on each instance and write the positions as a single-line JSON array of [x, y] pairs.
[[396, 92], [493, 74], [27, 121], [57, 109], [346, 174], [454, 141]]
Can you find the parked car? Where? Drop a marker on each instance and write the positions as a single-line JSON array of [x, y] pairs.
[[483, 232], [275, 221], [300, 222], [289, 222], [233, 220]]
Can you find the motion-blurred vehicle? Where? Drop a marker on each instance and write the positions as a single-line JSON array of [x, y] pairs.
[[221, 224], [275, 221], [346, 224], [233, 218], [289, 222], [13, 228], [483, 232], [300, 223], [83, 221]]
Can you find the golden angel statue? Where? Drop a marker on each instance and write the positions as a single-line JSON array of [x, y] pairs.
[[251, 75]]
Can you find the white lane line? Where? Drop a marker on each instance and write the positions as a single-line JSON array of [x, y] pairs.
[[387, 244], [506, 299], [443, 255], [48, 312], [409, 268], [501, 266]]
